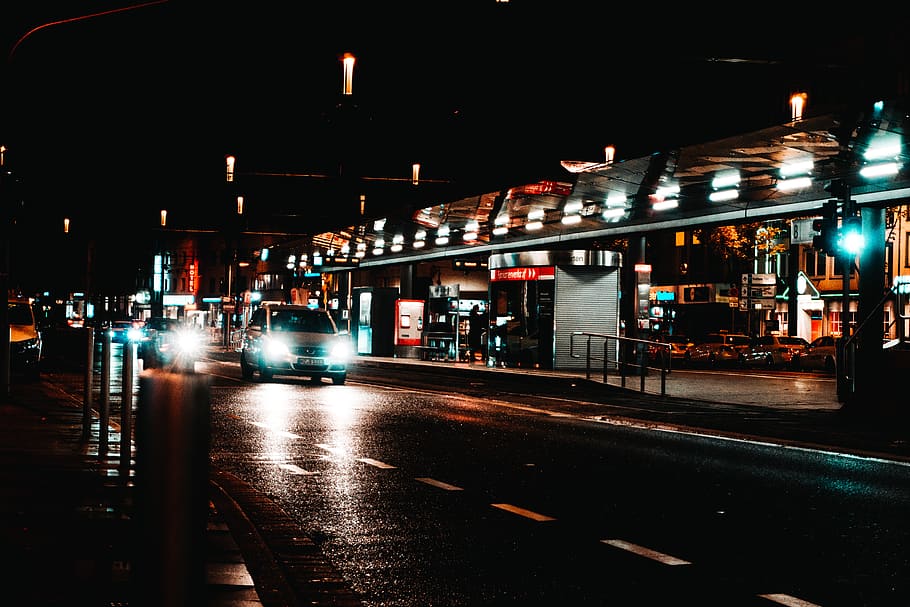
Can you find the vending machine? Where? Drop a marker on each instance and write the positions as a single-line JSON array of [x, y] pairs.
[[408, 327]]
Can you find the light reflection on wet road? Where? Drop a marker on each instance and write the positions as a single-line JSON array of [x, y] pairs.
[[423, 499]]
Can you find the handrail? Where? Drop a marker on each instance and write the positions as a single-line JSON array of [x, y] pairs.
[[619, 362]]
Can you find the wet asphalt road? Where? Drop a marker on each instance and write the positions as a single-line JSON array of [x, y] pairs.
[[422, 498]]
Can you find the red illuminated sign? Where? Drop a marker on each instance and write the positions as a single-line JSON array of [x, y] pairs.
[[192, 277], [532, 273]]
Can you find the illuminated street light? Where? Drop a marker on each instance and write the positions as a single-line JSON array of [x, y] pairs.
[[230, 168], [163, 217], [348, 64]]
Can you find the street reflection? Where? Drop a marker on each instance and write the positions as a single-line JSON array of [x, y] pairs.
[[274, 404]]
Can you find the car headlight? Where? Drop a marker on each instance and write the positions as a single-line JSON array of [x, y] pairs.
[[341, 351], [188, 342], [134, 334], [275, 348]]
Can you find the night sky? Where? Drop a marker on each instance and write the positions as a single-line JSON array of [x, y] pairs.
[[110, 118]]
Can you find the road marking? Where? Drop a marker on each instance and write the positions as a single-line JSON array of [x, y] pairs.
[[439, 484], [375, 462], [660, 557], [283, 433], [522, 512], [331, 448], [789, 601], [293, 469]]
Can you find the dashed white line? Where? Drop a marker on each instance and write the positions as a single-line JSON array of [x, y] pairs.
[[789, 601], [438, 484], [522, 512], [331, 449], [375, 462], [273, 430], [293, 469], [660, 557]]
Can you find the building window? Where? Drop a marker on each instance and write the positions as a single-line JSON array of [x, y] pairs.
[[680, 239], [907, 250], [815, 263], [887, 317], [834, 326]]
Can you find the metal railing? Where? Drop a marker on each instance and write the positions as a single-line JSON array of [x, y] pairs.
[[631, 359]]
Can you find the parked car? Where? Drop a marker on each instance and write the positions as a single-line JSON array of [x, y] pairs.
[[169, 342], [773, 351], [717, 349], [820, 355], [25, 341], [291, 339], [677, 345]]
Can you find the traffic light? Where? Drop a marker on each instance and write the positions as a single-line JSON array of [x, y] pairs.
[[851, 239], [826, 227]]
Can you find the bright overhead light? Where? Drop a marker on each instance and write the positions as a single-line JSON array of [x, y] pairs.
[[797, 183], [536, 215], [571, 219], [614, 212], [533, 226], [664, 205], [799, 167], [722, 195], [500, 230], [725, 180], [886, 149], [879, 170]]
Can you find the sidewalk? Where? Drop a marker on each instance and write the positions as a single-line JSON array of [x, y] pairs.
[[68, 511]]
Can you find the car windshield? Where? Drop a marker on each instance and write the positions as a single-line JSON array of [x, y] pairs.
[[792, 341], [19, 314], [301, 320]]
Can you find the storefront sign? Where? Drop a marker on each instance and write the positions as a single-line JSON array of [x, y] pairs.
[[532, 273]]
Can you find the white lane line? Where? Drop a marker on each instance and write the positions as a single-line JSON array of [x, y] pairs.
[[438, 484], [789, 601], [375, 462], [522, 512], [293, 469], [331, 449], [283, 433], [660, 557]]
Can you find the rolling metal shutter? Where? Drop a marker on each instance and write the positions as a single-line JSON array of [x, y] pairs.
[[587, 299]]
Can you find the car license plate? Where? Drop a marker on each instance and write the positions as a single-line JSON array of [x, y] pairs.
[[309, 362]]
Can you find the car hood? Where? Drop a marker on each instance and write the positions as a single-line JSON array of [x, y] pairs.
[[21, 333]]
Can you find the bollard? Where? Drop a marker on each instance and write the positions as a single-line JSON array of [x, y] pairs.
[[173, 436], [87, 387], [126, 405], [104, 408]]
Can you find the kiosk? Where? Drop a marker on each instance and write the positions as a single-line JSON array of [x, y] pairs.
[[539, 298]]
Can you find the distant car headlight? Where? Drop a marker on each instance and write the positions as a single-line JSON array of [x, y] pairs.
[[134, 334], [188, 343]]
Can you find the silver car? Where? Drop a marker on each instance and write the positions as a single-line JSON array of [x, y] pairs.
[[291, 339]]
